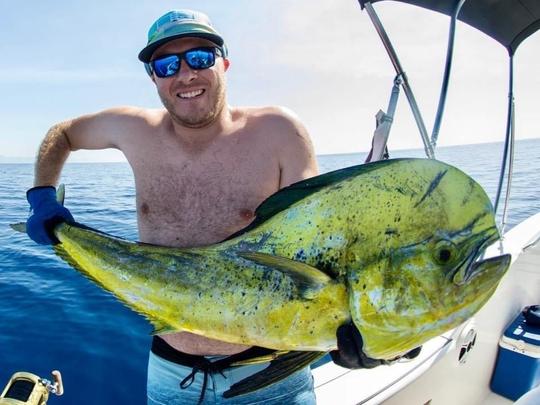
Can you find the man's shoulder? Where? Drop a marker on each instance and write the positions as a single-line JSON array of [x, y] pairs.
[[276, 125], [133, 113], [269, 112], [280, 120]]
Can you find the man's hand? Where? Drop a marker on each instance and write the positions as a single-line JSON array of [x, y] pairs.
[[47, 213], [350, 354]]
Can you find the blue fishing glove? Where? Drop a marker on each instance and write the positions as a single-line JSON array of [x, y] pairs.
[[46, 214], [350, 355]]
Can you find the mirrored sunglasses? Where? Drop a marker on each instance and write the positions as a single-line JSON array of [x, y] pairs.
[[195, 58]]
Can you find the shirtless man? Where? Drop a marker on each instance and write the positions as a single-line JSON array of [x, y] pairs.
[[201, 167]]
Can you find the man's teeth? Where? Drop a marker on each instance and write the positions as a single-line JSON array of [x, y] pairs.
[[191, 94]]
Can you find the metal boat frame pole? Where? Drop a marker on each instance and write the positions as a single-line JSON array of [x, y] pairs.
[[429, 144], [405, 82], [446, 77], [508, 153]]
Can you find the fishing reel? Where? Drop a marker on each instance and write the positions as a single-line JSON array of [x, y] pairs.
[[29, 389]]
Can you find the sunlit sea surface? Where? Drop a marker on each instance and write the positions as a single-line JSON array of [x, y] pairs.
[[53, 318]]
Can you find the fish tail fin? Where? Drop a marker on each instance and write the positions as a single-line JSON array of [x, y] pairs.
[[61, 194], [19, 227], [284, 365]]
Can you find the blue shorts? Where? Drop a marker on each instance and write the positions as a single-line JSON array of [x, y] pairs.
[[164, 378]]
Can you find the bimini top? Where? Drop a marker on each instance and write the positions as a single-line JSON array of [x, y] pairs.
[[509, 22]]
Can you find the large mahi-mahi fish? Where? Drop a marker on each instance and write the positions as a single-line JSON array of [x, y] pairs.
[[392, 246]]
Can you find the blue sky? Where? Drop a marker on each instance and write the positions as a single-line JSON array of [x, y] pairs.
[[320, 58]]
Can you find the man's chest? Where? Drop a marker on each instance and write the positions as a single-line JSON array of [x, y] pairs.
[[204, 200]]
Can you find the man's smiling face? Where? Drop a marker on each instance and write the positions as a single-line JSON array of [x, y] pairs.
[[193, 98]]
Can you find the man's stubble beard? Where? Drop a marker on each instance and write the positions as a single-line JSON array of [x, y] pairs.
[[199, 119]]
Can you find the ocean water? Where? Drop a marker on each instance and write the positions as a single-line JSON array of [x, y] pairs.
[[53, 318]]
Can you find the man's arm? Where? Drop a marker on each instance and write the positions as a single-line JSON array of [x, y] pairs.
[[52, 155], [101, 130], [95, 131], [47, 212]]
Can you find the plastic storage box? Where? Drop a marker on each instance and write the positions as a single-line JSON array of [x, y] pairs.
[[518, 362]]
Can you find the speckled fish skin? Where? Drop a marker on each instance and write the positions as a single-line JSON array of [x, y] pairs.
[[397, 243]]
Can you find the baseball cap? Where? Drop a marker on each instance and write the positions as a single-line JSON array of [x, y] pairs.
[[177, 24]]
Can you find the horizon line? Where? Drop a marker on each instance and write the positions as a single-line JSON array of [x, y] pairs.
[[31, 159]]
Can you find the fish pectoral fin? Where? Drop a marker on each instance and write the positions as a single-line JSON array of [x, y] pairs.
[[285, 364], [308, 279]]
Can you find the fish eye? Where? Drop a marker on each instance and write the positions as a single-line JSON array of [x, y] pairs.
[[445, 252], [444, 255]]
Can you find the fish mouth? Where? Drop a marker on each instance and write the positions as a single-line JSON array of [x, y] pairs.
[[473, 265]]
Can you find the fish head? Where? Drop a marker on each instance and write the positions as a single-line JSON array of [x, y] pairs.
[[432, 276]]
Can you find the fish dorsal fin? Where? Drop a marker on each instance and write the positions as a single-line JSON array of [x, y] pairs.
[[287, 196], [307, 278]]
